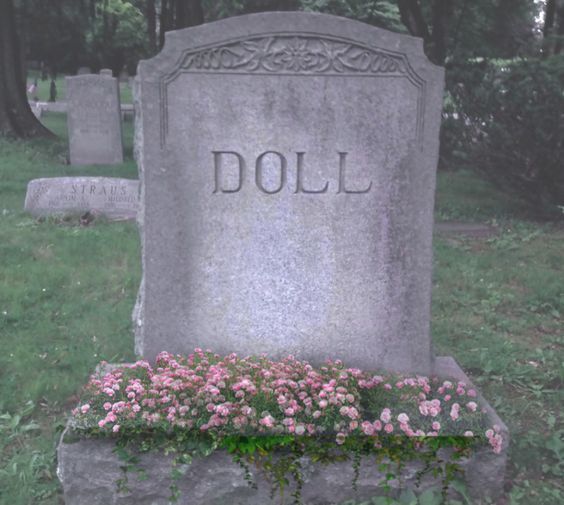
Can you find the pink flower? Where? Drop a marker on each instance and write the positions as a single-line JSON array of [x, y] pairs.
[[472, 393], [436, 426], [472, 406], [377, 425], [468, 434], [85, 408], [386, 416], [403, 418], [340, 439], [115, 429], [388, 428], [300, 429], [367, 428], [267, 421], [454, 411], [102, 423]]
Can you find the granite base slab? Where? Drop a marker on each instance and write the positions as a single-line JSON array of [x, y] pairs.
[[89, 471]]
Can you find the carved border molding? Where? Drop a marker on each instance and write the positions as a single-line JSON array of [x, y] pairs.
[[297, 54]]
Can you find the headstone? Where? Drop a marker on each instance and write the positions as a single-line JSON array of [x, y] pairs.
[[83, 71], [109, 197], [291, 160], [124, 76], [93, 120], [106, 72], [36, 109]]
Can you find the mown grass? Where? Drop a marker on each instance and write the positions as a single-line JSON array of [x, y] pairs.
[[67, 291]]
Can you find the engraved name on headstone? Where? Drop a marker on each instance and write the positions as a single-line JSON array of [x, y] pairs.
[[288, 171], [110, 197], [93, 119]]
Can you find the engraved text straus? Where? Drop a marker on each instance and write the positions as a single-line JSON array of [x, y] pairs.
[[273, 160]]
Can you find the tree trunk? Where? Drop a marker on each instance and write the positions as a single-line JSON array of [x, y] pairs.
[[16, 117], [151, 15], [412, 17], [163, 22], [188, 13], [439, 45], [560, 27], [549, 18]]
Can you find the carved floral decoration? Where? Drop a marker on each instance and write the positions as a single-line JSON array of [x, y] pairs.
[[284, 54]]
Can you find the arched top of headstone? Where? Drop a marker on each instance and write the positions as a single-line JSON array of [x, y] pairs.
[[292, 43]]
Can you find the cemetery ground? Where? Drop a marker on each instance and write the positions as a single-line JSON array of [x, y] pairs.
[[67, 290]]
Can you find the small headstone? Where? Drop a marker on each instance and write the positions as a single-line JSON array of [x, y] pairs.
[[124, 76], [83, 71], [93, 120], [110, 197], [106, 72], [36, 109], [291, 160]]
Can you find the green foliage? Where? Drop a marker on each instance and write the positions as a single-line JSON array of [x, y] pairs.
[[117, 35], [507, 120], [383, 13]]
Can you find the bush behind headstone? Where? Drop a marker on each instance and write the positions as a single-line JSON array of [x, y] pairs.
[[506, 120]]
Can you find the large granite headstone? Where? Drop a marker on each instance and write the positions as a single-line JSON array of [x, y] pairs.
[[288, 171], [110, 197], [93, 120]]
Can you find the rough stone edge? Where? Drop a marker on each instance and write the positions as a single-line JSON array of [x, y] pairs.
[[484, 471], [137, 315]]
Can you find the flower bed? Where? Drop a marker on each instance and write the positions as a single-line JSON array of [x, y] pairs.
[[272, 413]]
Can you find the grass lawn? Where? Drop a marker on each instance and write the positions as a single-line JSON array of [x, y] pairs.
[[67, 292]]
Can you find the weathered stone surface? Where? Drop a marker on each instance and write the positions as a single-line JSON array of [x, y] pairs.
[[93, 120], [106, 72], [288, 169], [110, 197], [89, 471]]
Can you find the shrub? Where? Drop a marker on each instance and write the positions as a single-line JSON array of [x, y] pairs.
[[506, 119]]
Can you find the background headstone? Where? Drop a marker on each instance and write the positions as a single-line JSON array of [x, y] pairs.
[[93, 120], [83, 71], [288, 171], [124, 76], [110, 197], [107, 72]]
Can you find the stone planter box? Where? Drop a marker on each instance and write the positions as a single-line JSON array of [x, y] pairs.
[[89, 471]]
